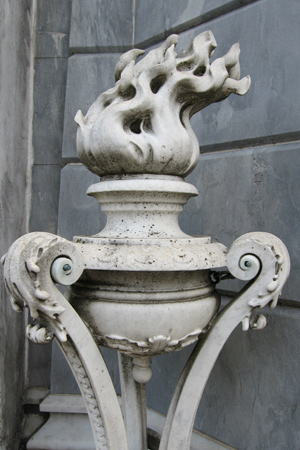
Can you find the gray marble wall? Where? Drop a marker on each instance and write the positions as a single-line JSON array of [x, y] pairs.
[[50, 74], [14, 207], [247, 179]]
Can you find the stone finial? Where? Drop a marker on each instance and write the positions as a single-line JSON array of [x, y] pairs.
[[141, 125]]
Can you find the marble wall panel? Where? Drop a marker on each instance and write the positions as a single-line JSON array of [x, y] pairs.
[[256, 189], [43, 217], [48, 115], [101, 25], [79, 214], [39, 362], [155, 21], [53, 16], [52, 28], [14, 138], [268, 112], [45, 198], [52, 45], [51, 53], [88, 77]]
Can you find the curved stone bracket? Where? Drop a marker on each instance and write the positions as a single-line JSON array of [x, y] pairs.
[[263, 260], [28, 265]]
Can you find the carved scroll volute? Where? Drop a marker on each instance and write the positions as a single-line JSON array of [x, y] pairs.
[[260, 258], [28, 266], [263, 254]]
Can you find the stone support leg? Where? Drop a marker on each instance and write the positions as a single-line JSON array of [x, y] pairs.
[[261, 258], [28, 269], [133, 405]]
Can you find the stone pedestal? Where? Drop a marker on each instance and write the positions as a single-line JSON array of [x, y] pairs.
[[141, 285], [157, 295]]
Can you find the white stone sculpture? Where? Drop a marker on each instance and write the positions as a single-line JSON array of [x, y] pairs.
[[142, 124], [142, 286]]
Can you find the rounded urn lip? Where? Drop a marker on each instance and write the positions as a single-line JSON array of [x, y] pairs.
[[152, 184], [142, 208], [141, 176]]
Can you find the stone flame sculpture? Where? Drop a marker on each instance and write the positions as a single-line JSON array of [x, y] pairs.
[[141, 285], [142, 125]]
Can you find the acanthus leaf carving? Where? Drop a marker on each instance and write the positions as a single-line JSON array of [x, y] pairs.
[[150, 347], [39, 334]]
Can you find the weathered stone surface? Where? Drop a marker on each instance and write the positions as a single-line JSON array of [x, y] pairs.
[[53, 16], [14, 136], [88, 77], [45, 197], [268, 49], [79, 214], [50, 74], [249, 190], [52, 28], [52, 44], [102, 26], [49, 98], [155, 21]]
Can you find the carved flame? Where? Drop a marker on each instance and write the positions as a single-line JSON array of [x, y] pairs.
[[142, 124]]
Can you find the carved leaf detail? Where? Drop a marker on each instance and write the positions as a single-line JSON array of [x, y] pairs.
[[38, 334]]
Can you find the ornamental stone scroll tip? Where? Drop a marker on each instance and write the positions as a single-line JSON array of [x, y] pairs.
[[142, 124]]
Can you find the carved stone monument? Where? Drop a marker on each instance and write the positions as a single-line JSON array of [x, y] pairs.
[[142, 286]]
